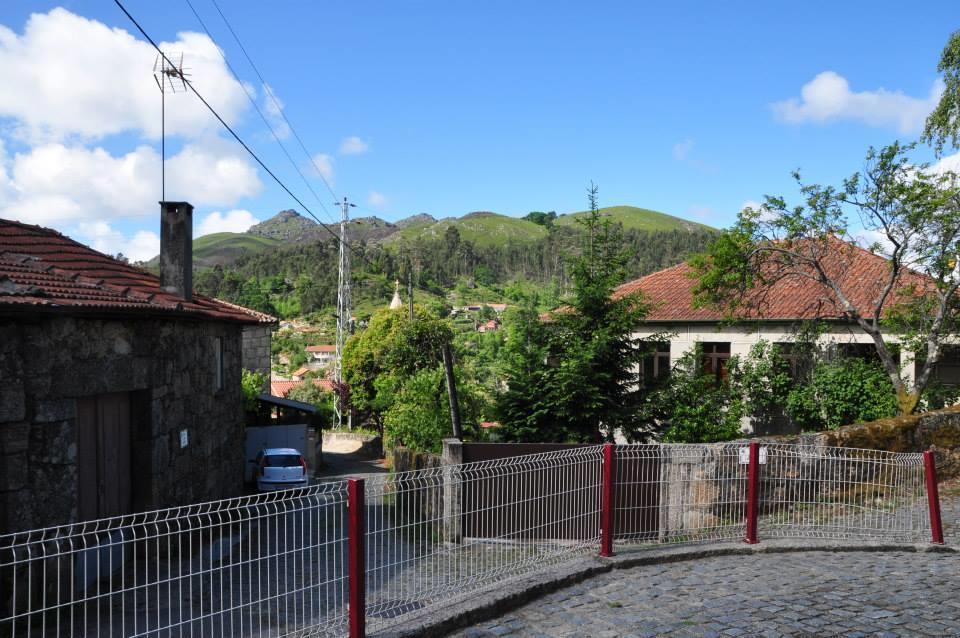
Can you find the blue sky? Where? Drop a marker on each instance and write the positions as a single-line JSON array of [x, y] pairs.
[[445, 107]]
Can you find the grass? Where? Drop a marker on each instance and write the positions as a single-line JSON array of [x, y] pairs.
[[637, 218], [222, 248], [483, 229]]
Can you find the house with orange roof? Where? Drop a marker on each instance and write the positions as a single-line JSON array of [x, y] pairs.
[[322, 355], [773, 314], [120, 389]]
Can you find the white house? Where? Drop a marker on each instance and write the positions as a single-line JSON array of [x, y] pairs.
[[779, 310], [322, 355]]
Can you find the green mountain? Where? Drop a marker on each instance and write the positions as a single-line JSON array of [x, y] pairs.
[[224, 248], [485, 230], [482, 228], [637, 219]]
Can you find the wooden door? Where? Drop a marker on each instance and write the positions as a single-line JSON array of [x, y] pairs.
[[103, 455]]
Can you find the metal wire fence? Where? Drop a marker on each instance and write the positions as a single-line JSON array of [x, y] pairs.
[[266, 565], [843, 493], [437, 535], [679, 493], [277, 564], [693, 493]]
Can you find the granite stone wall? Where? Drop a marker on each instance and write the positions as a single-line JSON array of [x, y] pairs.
[[169, 369], [256, 350]]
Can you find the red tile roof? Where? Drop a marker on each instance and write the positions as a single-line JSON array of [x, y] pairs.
[[860, 275], [283, 388], [323, 348], [44, 271]]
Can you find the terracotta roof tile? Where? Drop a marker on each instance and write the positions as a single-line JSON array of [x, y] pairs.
[[860, 275], [283, 388], [44, 271], [322, 348]]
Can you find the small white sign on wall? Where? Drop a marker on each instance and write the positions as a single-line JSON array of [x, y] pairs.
[[185, 439], [745, 455]]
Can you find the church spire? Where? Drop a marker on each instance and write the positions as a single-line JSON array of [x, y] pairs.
[[396, 302]]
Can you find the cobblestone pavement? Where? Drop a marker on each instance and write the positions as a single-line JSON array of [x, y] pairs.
[[802, 594]]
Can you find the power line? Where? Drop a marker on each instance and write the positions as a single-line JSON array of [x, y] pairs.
[[235, 135], [263, 117], [273, 98], [247, 148]]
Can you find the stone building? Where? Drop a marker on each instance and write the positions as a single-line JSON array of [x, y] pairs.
[[119, 390]]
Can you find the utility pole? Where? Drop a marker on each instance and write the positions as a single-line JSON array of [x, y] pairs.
[[344, 315], [452, 392]]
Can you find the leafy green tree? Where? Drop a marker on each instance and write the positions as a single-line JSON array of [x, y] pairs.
[[764, 381], [843, 391], [943, 124], [391, 349], [522, 407], [914, 212], [541, 218], [318, 398], [419, 416], [252, 385], [588, 385], [695, 406]]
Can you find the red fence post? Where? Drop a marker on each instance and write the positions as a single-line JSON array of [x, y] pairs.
[[606, 499], [933, 497], [356, 564], [753, 493]]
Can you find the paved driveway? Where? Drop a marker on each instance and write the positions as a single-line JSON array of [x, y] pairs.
[[803, 594]]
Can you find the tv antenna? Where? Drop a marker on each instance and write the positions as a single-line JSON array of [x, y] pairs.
[[173, 78]]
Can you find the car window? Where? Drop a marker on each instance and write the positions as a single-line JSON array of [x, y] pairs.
[[281, 460]]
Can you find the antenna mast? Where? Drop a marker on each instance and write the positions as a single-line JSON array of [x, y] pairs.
[[164, 74], [344, 314]]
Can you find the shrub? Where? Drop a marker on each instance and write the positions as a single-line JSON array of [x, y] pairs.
[[697, 407], [841, 392]]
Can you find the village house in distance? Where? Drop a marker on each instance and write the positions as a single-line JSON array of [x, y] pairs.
[[778, 312], [119, 391]]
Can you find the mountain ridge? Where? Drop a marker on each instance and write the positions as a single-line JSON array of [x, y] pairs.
[[483, 228]]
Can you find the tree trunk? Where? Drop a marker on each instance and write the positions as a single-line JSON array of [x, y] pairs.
[[907, 401]]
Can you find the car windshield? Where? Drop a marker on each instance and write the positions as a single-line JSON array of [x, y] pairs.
[[281, 460]]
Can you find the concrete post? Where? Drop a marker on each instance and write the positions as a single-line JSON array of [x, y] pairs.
[[450, 459]]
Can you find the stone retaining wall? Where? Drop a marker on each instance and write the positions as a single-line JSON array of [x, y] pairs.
[[938, 431]]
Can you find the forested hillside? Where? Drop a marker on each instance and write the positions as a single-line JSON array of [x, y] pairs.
[[299, 278]]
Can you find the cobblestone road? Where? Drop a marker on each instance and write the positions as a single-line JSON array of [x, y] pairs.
[[811, 593]]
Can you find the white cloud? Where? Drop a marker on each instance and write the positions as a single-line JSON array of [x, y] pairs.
[[273, 109], [682, 149], [233, 221], [68, 75], [950, 163], [376, 199], [211, 173], [99, 235], [353, 146], [55, 183], [322, 164], [828, 97]]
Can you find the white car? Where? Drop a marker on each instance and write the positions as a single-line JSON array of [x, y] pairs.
[[280, 468]]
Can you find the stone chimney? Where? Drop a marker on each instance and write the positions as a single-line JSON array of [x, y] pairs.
[[176, 249]]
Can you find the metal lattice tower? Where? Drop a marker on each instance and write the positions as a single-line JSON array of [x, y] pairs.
[[344, 312]]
